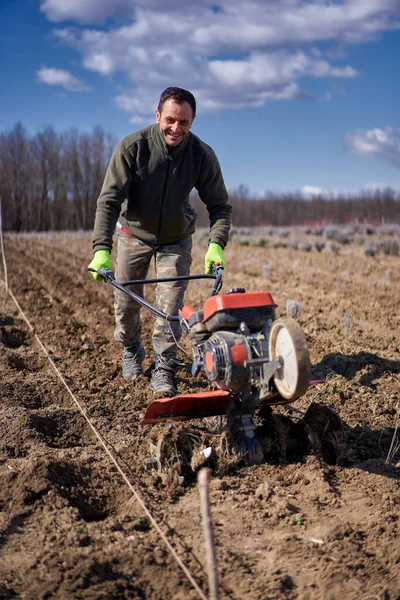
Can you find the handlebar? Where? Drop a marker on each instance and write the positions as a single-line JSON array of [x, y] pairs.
[[109, 277]]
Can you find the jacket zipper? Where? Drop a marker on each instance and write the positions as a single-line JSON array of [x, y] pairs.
[[162, 198]]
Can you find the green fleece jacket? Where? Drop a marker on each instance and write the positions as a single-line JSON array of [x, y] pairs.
[[147, 187]]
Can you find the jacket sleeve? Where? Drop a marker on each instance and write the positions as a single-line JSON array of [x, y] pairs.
[[212, 191], [114, 191]]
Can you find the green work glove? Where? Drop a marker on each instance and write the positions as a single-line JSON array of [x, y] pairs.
[[213, 255], [101, 260]]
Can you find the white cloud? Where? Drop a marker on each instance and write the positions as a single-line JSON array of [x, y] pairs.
[[62, 78], [379, 142], [243, 53], [312, 191], [238, 22], [274, 68], [85, 11], [376, 186]]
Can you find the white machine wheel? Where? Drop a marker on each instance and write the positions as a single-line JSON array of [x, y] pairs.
[[288, 341]]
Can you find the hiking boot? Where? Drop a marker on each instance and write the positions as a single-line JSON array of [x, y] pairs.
[[132, 358], [162, 381]]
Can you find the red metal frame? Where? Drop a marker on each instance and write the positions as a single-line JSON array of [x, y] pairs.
[[236, 300]]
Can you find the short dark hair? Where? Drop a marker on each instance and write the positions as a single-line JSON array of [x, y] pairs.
[[179, 95]]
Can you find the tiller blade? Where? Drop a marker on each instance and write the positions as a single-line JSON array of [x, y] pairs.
[[201, 404], [187, 406]]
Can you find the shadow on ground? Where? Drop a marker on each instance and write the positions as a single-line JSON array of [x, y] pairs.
[[348, 365]]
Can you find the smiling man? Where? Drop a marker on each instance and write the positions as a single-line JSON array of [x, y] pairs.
[[174, 121], [145, 195]]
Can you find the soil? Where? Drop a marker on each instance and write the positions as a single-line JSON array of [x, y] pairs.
[[317, 519]]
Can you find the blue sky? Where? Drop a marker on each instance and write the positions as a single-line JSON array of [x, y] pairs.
[[292, 94]]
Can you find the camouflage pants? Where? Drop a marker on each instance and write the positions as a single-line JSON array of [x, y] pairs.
[[133, 261]]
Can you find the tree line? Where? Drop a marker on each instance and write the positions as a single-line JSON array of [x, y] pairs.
[[51, 181], [293, 209]]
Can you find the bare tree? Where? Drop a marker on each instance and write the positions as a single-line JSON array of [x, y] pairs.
[[86, 158], [16, 167]]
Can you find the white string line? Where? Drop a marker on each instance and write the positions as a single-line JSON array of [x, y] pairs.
[[3, 253], [109, 453]]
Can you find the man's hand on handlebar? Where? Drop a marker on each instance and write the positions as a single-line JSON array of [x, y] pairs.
[[213, 256], [101, 260]]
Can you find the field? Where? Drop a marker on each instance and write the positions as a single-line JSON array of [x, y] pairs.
[[317, 520]]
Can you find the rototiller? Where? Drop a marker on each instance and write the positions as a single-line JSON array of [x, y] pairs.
[[249, 358]]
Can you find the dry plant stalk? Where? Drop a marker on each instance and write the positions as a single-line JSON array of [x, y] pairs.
[[203, 480], [395, 443], [293, 309], [347, 324]]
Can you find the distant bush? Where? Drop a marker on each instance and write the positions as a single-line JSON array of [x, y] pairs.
[[340, 235], [389, 247]]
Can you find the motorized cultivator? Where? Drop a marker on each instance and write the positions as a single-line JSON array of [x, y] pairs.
[[250, 358]]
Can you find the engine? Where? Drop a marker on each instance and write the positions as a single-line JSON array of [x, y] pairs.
[[230, 336], [225, 354]]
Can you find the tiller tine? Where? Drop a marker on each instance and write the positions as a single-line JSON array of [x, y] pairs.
[[187, 406]]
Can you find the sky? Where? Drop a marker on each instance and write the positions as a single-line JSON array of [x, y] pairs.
[[292, 95]]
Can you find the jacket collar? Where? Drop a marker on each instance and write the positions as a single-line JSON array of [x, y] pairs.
[[162, 144]]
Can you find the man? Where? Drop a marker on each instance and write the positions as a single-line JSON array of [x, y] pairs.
[[146, 195]]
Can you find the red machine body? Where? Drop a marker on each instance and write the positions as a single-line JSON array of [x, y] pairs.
[[248, 357], [230, 338]]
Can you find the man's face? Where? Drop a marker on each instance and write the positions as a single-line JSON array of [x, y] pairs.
[[174, 121]]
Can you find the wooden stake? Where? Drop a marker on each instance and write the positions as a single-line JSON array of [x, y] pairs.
[[203, 480]]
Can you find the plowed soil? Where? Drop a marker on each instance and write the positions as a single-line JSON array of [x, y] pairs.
[[318, 519]]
